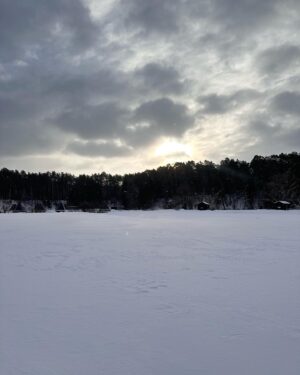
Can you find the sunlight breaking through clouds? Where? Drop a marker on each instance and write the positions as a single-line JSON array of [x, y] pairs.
[[214, 78]]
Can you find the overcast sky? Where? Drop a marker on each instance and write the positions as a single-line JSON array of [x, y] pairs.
[[125, 85]]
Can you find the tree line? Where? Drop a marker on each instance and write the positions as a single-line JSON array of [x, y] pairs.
[[275, 177]]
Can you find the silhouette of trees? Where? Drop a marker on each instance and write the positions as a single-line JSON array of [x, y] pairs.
[[182, 184]]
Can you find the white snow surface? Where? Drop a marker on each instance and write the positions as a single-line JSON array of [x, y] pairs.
[[150, 293]]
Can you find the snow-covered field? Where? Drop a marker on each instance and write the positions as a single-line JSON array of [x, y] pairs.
[[150, 293]]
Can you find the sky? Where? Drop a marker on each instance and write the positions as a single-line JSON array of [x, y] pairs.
[[128, 85]]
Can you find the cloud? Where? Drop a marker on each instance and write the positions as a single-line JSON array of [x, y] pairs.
[[155, 16], [287, 102], [13, 110], [20, 130], [244, 15], [98, 149], [292, 138], [89, 86], [160, 78], [27, 26], [83, 78], [264, 127], [220, 104], [272, 135], [19, 139], [275, 128], [104, 121], [138, 127], [279, 59], [167, 17], [168, 117]]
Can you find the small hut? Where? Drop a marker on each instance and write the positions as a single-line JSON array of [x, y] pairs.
[[282, 205], [203, 206]]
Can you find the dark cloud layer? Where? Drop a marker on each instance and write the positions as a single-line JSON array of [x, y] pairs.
[[220, 104], [244, 15], [156, 16], [170, 16], [276, 60], [108, 79], [104, 121], [172, 118], [270, 134], [158, 118], [108, 121], [27, 26], [160, 78], [287, 102]]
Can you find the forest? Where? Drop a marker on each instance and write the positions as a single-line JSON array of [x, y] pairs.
[[229, 184]]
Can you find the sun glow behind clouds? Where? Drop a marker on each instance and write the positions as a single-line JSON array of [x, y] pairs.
[[171, 147], [129, 85]]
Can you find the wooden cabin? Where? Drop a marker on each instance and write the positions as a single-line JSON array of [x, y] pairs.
[[203, 206], [276, 205], [282, 205]]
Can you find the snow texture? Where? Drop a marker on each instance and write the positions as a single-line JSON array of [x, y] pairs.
[[150, 293]]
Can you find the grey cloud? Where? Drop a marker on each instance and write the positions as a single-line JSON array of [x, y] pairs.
[[107, 121], [26, 26], [229, 29], [287, 102], [244, 15], [22, 131], [220, 104], [170, 117], [70, 103], [66, 72], [142, 136], [169, 16], [272, 134], [28, 139], [155, 16], [292, 138], [96, 149], [264, 127], [63, 85], [279, 59], [13, 110], [102, 121], [155, 119], [215, 104], [160, 78], [86, 86]]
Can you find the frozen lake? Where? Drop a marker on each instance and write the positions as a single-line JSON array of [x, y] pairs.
[[150, 293]]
